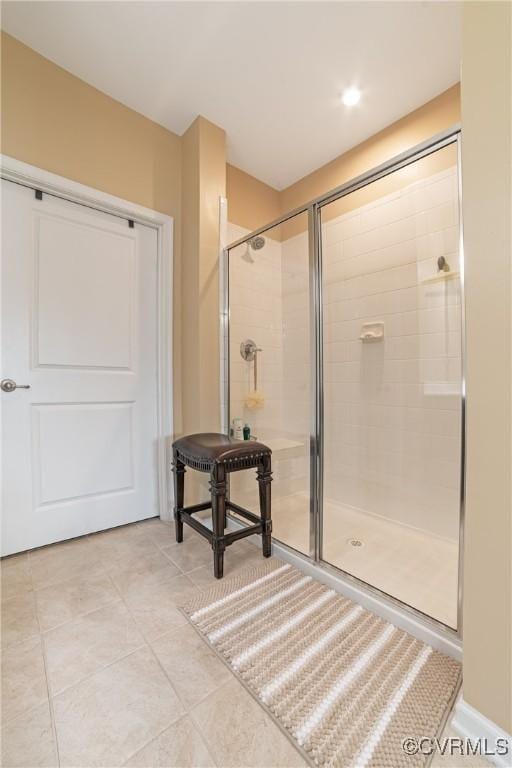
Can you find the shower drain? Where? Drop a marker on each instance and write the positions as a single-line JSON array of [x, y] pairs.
[[355, 542]]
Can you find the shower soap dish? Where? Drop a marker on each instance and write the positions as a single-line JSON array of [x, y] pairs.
[[372, 331], [439, 276]]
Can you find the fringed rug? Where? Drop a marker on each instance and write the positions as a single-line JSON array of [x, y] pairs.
[[346, 685]]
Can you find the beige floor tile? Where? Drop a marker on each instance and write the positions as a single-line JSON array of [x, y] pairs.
[[82, 646], [69, 599], [19, 618], [108, 717], [180, 746], [152, 522], [193, 668], [23, 678], [126, 541], [16, 578], [60, 562], [456, 760], [145, 571], [28, 741], [155, 608], [203, 577], [192, 553], [238, 732], [161, 533]]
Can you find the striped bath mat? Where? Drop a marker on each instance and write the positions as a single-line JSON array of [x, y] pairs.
[[346, 685]]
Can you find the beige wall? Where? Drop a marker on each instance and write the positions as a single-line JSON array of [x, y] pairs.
[[204, 181], [55, 121], [486, 174], [251, 203]]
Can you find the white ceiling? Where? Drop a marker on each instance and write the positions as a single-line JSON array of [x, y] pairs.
[[270, 73]]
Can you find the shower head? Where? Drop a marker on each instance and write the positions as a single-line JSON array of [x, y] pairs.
[[257, 243], [254, 244]]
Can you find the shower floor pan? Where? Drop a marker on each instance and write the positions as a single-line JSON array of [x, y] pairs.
[[410, 564]]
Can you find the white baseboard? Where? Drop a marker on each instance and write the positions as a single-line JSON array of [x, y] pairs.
[[471, 724]]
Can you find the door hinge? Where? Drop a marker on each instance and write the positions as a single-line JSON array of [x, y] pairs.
[[131, 223], [39, 194]]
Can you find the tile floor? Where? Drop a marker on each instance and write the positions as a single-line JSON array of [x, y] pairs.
[[99, 667]]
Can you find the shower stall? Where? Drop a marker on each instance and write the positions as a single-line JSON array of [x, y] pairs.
[[353, 306]]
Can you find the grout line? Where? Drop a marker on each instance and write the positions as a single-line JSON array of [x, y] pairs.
[[50, 699], [78, 616], [146, 644], [97, 671], [168, 727], [186, 709], [192, 713]]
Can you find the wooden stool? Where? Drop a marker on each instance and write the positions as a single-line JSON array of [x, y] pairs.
[[219, 455]]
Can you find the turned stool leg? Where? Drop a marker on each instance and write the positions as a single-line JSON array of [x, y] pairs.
[[179, 495], [264, 475], [218, 492]]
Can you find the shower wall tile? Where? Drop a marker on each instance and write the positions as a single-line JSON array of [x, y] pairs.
[[267, 304], [392, 441], [256, 312]]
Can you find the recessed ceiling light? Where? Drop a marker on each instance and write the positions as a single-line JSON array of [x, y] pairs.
[[351, 96]]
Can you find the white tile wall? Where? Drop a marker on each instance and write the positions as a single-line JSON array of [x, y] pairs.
[[391, 448], [266, 304], [392, 438], [256, 306]]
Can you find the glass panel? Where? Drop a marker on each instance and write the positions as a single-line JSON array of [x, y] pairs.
[[393, 386], [269, 305]]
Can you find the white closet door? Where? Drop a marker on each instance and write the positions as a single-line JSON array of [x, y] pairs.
[[79, 326]]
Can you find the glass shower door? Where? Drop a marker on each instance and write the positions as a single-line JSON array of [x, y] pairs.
[[269, 368], [393, 385]]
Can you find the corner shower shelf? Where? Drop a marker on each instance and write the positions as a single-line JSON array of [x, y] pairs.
[[277, 444], [440, 276], [442, 388]]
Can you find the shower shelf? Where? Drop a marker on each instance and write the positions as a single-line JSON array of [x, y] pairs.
[[440, 276], [277, 444], [442, 388]]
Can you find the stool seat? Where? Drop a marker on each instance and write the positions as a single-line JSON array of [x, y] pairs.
[[208, 448], [219, 455]]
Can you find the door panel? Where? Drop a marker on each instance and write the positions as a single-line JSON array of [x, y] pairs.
[[79, 299], [100, 462], [80, 321]]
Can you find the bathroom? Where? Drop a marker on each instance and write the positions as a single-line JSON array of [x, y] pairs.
[[255, 391]]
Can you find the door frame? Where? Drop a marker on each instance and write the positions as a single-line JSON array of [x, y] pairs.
[[58, 186]]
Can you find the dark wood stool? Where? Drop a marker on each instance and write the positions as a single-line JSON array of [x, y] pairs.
[[219, 455]]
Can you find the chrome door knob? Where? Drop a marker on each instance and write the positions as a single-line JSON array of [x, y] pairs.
[[8, 385]]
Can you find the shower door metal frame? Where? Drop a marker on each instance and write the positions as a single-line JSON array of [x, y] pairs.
[[313, 209]]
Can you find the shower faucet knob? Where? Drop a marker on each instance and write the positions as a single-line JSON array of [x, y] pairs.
[[248, 350]]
